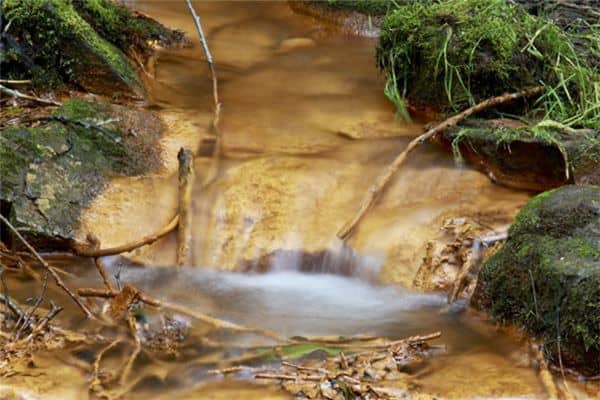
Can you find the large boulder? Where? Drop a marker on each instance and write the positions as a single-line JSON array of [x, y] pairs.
[[547, 275], [52, 170]]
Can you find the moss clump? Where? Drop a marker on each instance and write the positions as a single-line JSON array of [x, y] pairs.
[[455, 53], [50, 172], [49, 42], [547, 275]]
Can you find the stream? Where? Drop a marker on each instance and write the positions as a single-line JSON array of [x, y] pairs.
[[306, 129]]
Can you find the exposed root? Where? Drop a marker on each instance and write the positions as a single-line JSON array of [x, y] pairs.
[[136, 351], [48, 268], [375, 190], [16, 93]]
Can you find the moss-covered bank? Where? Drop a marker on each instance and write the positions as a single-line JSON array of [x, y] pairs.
[[547, 275], [52, 170], [455, 53], [77, 42]]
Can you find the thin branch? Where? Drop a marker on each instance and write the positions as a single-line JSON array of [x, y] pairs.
[[103, 273], [87, 251], [16, 93], [11, 305], [217, 323], [50, 269], [375, 190], [214, 166], [15, 81]]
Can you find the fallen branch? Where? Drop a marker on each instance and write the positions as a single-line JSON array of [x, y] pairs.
[[48, 268], [186, 182], [16, 93], [92, 251], [375, 190], [217, 323]]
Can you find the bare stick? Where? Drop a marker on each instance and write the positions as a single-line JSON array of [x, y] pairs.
[[103, 273], [213, 169], [87, 251], [15, 81], [546, 377], [209, 58], [217, 323], [16, 93], [375, 190], [136, 351], [50, 269], [186, 182]]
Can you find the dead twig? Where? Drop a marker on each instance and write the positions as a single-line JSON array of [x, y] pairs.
[[103, 273], [15, 81], [136, 351], [546, 377], [214, 166], [48, 268], [90, 251], [16, 93], [217, 323], [186, 183], [11, 305], [375, 190]]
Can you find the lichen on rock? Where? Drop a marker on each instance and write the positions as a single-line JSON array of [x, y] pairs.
[[547, 275], [51, 171]]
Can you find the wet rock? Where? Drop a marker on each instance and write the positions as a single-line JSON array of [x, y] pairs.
[[527, 157], [52, 170], [547, 275]]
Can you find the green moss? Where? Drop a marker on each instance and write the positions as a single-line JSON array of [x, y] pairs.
[[51, 43], [455, 53], [547, 275], [51, 171]]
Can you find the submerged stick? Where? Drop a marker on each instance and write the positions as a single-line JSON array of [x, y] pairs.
[[48, 268], [16, 93], [216, 322], [186, 182], [375, 190]]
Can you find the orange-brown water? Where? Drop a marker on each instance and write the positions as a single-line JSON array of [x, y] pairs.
[[306, 129]]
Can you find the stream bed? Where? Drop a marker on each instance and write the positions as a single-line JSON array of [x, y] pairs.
[[306, 129]]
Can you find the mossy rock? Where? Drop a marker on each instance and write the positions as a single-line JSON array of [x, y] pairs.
[[51, 171], [455, 53], [82, 43], [532, 157], [546, 277]]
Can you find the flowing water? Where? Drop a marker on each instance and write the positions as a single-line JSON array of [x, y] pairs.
[[306, 129]]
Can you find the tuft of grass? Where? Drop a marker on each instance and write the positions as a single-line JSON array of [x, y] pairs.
[[455, 53]]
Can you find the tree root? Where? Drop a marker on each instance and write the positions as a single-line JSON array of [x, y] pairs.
[[375, 190]]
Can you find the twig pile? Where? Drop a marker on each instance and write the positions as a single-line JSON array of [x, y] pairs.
[[380, 372]]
